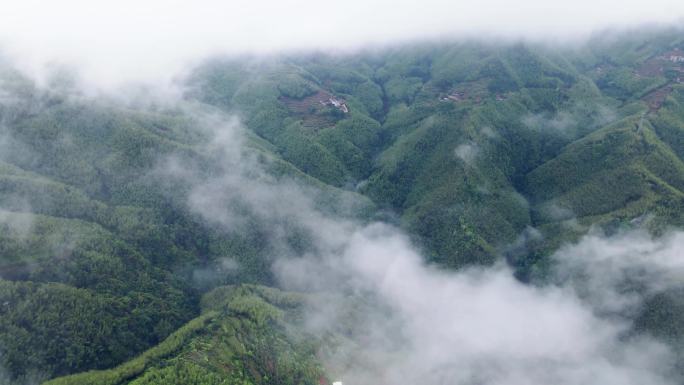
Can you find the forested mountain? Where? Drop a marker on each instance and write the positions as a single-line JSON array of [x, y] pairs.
[[135, 236]]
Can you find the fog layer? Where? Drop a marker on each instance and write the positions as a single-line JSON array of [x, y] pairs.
[[116, 42]]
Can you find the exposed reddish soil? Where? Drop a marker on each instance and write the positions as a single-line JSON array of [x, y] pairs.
[[651, 68], [655, 99]]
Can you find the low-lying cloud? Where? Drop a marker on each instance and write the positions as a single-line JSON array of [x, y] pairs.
[[481, 325], [467, 152], [615, 273]]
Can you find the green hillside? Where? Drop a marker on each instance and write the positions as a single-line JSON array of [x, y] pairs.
[[245, 334], [107, 267]]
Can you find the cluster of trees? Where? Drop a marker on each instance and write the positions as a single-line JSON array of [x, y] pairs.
[[244, 336]]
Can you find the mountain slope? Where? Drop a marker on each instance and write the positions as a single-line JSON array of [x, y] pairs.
[[481, 152], [244, 335]]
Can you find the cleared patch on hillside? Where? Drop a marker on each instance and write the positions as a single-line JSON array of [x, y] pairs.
[[655, 99], [319, 110]]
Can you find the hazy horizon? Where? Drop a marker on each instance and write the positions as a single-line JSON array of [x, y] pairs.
[[123, 42]]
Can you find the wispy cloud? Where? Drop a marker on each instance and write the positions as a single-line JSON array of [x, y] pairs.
[[481, 325]]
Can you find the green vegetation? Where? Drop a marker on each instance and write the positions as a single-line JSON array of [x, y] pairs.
[[464, 145], [243, 336]]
